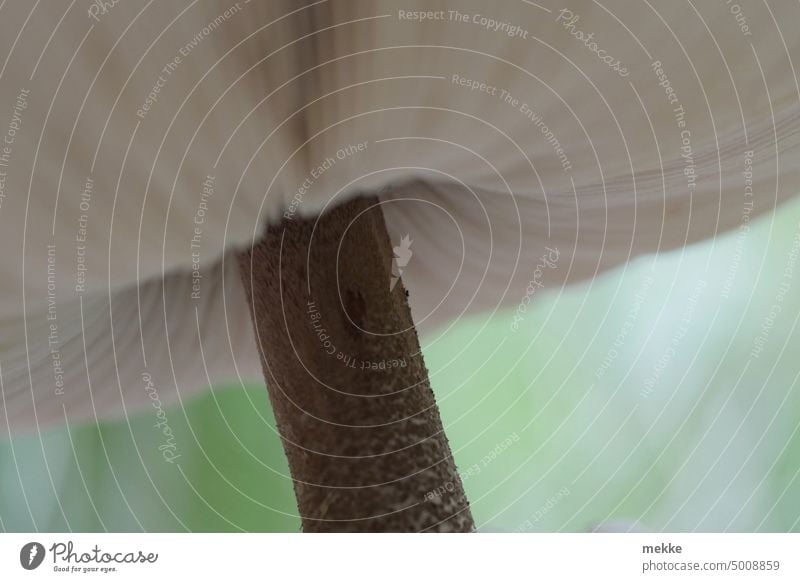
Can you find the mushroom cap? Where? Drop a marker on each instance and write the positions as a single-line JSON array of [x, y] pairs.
[[151, 141]]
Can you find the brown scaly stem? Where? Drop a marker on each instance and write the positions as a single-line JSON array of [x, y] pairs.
[[346, 379]]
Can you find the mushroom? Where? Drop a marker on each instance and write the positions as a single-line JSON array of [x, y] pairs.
[[156, 156]]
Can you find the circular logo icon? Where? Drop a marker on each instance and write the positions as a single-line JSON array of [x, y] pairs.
[[31, 555]]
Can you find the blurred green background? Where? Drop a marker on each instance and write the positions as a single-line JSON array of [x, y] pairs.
[[634, 397]]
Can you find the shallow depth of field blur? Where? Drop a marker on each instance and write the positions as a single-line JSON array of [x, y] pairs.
[[634, 398]]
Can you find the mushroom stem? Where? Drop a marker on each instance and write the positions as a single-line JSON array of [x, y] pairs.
[[345, 375]]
